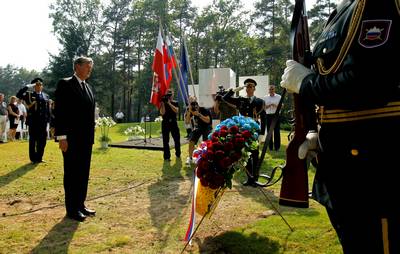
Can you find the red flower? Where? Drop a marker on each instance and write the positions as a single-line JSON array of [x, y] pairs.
[[219, 154], [210, 155], [217, 146], [225, 162], [223, 127], [215, 135], [234, 129], [228, 147], [246, 134], [203, 163], [223, 133], [236, 156], [203, 182]]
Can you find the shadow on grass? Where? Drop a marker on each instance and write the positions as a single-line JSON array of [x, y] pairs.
[[13, 175], [167, 203], [271, 160], [58, 239], [235, 242]]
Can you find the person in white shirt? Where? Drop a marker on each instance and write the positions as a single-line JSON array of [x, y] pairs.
[[3, 119], [22, 118], [119, 116], [271, 103]]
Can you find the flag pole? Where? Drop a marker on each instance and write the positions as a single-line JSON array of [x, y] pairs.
[[190, 68], [185, 99], [173, 69]]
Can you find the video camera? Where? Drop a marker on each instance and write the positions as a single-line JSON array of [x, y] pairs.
[[166, 97], [194, 106], [220, 93]]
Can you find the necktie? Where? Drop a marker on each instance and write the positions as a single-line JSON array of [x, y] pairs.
[[85, 90]]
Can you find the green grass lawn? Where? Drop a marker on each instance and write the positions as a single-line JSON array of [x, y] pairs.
[[143, 206]]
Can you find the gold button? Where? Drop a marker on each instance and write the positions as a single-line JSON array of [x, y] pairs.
[[354, 152]]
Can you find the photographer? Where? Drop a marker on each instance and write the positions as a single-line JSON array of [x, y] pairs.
[[222, 107], [202, 125], [253, 107], [169, 110]]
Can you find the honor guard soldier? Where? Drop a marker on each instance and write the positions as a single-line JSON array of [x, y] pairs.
[[37, 104], [249, 106], [355, 83]]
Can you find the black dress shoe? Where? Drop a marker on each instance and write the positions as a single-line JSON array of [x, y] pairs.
[[88, 212], [78, 216], [249, 183]]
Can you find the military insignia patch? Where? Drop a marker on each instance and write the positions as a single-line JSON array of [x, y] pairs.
[[374, 33]]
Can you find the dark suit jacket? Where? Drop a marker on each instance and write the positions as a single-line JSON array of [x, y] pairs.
[[74, 112]]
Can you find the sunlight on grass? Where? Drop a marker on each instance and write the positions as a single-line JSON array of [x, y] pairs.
[[143, 206]]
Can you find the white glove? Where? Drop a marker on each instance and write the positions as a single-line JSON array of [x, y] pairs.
[[30, 85], [309, 147], [293, 75]]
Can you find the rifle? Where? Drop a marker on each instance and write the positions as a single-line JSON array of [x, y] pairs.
[[294, 188]]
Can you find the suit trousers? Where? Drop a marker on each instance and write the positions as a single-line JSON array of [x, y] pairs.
[[275, 142], [76, 175]]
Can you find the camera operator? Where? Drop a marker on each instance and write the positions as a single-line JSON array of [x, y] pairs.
[[249, 106], [202, 125], [222, 107], [169, 110]]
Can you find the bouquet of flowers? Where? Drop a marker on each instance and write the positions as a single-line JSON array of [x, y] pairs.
[[105, 123], [218, 159], [226, 151], [134, 132]]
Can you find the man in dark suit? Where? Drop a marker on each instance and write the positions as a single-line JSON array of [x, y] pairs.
[[37, 104], [74, 130]]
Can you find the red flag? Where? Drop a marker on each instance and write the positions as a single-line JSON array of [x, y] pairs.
[[155, 98], [168, 67], [159, 82], [170, 60]]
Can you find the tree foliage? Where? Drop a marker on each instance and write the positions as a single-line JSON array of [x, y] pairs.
[[120, 35]]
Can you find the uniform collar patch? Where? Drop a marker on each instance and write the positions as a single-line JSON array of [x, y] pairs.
[[374, 33]]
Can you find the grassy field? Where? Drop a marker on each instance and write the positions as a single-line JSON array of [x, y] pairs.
[[143, 206]]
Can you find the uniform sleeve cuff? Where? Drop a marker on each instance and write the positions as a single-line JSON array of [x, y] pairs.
[[61, 137]]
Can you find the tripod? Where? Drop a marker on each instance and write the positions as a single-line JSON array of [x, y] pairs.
[[146, 119]]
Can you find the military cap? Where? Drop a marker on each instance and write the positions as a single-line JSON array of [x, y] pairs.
[[35, 80], [250, 81]]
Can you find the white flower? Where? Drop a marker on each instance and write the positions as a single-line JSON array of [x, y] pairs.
[[105, 123], [134, 131]]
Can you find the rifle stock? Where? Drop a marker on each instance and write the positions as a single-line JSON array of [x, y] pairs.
[[294, 188]]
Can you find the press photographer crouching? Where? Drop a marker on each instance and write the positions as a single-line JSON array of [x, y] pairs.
[[223, 108], [249, 106], [202, 125], [169, 110]]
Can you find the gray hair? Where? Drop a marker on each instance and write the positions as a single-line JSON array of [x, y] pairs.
[[82, 60]]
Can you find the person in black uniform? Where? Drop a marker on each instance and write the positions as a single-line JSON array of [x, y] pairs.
[[249, 106], [356, 87], [74, 130], [37, 104], [169, 110]]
